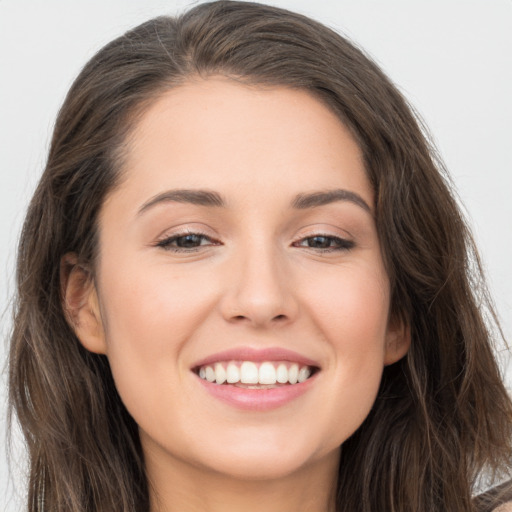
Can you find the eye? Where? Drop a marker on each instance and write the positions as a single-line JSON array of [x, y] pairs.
[[325, 243], [185, 242]]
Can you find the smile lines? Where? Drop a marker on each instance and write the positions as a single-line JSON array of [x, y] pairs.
[[251, 373]]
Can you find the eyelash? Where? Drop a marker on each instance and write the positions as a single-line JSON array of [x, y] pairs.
[[166, 244], [342, 243]]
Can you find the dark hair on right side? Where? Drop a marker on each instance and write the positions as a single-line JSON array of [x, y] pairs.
[[442, 415]]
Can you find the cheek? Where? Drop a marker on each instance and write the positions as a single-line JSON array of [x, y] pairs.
[[149, 315], [150, 306], [351, 312], [351, 306]]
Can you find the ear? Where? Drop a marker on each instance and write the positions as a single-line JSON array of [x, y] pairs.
[[80, 304], [398, 339]]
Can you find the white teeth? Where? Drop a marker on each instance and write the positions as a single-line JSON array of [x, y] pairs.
[[304, 373], [248, 372], [267, 374], [220, 374], [282, 374], [233, 373], [210, 374], [293, 373]]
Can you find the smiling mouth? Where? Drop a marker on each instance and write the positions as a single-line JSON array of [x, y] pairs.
[[252, 375]]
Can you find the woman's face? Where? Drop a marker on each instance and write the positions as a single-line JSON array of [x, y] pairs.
[[241, 245]]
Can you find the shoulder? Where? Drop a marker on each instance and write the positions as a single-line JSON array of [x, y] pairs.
[[506, 507], [497, 499]]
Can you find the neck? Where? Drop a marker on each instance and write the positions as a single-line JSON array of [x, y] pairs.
[[181, 487]]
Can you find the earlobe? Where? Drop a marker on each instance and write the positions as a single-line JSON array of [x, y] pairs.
[[398, 341], [80, 304]]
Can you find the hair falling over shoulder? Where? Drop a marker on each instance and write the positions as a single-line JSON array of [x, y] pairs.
[[442, 418]]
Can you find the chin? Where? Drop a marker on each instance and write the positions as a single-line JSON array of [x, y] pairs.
[[263, 457], [259, 466]]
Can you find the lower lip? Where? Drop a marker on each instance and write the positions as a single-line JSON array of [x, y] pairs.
[[257, 399]]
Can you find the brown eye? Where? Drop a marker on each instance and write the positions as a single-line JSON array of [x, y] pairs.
[[319, 242], [185, 242], [325, 243], [188, 241]]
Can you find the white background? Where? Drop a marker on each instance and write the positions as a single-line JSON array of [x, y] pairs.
[[451, 59]]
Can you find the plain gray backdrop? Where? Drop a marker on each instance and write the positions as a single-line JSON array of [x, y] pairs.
[[450, 58]]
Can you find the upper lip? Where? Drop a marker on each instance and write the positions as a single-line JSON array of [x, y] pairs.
[[257, 355]]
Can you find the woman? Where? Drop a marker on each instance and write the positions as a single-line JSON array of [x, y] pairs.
[[234, 290]]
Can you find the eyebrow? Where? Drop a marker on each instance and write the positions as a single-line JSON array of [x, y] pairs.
[[314, 199], [214, 199], [198, 197]]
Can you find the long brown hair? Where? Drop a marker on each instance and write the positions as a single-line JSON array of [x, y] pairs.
[[442, 416]]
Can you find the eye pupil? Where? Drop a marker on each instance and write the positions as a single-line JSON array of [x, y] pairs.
[[319, 242], [191, 240]]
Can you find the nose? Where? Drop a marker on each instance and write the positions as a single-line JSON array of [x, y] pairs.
[[260, 290]]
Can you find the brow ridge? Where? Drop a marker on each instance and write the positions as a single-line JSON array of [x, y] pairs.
[[197, 197], [315, 199], [211, 198]]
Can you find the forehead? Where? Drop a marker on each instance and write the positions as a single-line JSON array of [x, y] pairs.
[[219, 133]]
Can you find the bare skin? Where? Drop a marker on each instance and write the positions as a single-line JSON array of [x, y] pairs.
[[304, 491], [272, 267]]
